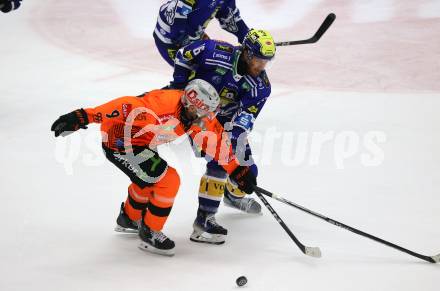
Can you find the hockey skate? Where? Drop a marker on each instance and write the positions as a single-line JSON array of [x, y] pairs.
[[207, 230], [245, 204], [155, 241], [124, 223]]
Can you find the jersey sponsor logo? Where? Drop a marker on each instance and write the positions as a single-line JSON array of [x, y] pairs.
[[184, 10], [244, 120], [232, 85], [224, 48], [192, 98], [172, 53], [126, 109], [166, 117], [246, 86], [221, 71], [253, 109], [221, 56]]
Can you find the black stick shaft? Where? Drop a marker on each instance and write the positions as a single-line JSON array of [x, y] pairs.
[[281, 222], [349, 228], [320, 32]]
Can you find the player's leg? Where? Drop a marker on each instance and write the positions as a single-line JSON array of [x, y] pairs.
[[211, 190], [162, 195], [150, 197], [131, 211], [236, 198]]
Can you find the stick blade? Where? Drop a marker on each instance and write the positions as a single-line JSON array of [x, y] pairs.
[[313, 252], [328, 21], [436, 258]]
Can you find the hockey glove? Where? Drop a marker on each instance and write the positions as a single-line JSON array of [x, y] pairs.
[[70, 122], [9, 5], [245, 179]]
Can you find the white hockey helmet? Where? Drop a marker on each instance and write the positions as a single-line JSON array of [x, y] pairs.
[[202, 96]]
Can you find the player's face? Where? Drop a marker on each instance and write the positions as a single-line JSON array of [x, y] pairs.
[[194, 114], [191, 112], [256, 66]]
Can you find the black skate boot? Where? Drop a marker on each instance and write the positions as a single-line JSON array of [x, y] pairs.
[[124, 223], [207, 230], [155, 241]]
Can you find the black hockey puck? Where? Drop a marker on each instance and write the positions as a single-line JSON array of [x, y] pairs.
[[241, 281]]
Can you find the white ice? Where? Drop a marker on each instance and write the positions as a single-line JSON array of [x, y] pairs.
[[370, 90]]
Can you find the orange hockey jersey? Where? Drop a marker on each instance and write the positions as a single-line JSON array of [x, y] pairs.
[[154, 119]]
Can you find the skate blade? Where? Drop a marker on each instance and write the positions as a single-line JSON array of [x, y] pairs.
[[121, 229], [149, 248], [207, 238]]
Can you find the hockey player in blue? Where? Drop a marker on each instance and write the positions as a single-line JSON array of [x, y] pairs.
[[237, 73], [181, 22]]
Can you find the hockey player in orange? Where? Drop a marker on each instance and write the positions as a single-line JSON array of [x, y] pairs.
[[133, 127]]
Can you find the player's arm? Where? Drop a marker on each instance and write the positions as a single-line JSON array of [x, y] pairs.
[[187, 60], [80, 118], [196, 20], [244, 119], [230, 20]]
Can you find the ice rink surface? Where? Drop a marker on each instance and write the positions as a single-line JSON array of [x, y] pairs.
[[351, 130]]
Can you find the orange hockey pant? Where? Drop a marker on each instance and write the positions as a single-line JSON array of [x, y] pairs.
[[156, 200]]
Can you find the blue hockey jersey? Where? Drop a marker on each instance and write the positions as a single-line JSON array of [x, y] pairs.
[[181, 22], [242, 96]]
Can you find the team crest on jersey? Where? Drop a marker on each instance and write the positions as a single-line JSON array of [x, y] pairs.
[[188, 55], [227, 95], [170, 12]]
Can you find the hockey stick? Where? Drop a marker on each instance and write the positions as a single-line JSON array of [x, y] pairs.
[[431, 259], [321, 30], [310, 251]]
